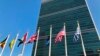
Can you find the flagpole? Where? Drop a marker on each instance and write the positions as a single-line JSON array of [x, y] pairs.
[[4, 45], [66, 53], [82, 40], [36, 42], [92, 18], [14, 45], [22, 54], [50, 40]]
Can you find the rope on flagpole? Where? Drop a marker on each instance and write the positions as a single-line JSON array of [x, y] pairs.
[[50, 40], [66, 53], [84, 51], [36, 42], [14, 45], [4, 45]]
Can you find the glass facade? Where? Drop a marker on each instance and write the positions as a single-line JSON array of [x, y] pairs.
[[58, 12]]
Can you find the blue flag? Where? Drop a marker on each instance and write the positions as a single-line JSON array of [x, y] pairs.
[[47, 40]]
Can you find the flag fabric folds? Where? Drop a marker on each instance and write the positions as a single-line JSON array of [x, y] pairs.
[[77, 33], [60, 35], [11, 44], [5, 43], [21, 41], [2, 43], [47, 40], [32, 39]]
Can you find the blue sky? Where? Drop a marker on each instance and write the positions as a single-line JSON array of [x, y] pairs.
[[94, 6], [18, 16]]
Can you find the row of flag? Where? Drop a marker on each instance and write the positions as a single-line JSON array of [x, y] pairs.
[[13, 42], [21, 41], [62, 34], [35, 37]]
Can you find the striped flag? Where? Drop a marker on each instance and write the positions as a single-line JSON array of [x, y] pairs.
[[59, 36], [77, 33]]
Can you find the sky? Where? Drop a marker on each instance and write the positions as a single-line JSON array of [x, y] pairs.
[[18, 16], [94, 6]]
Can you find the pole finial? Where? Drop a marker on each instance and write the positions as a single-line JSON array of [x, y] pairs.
[[38, 27], [64, 23], [77, 21], [50, 25]]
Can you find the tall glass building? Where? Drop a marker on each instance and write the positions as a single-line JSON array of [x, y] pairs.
[[57, 12]]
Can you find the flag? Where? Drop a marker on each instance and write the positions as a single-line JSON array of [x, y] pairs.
[[21, 41], [60, 35], [32, 39], [36, 45], [2, 43], [11, 43], [77, 33], [47, 40]]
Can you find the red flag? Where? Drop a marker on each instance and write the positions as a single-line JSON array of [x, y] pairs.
[[33, 38], [60, 35], [24, 38]]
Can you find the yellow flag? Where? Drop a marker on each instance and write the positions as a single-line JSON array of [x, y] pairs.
[[12, 43]]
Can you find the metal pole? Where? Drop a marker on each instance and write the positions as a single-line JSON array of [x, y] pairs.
[[82, 40], [4, 45], [50, 40], [14, 45], [66, 53], [36, 42]]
